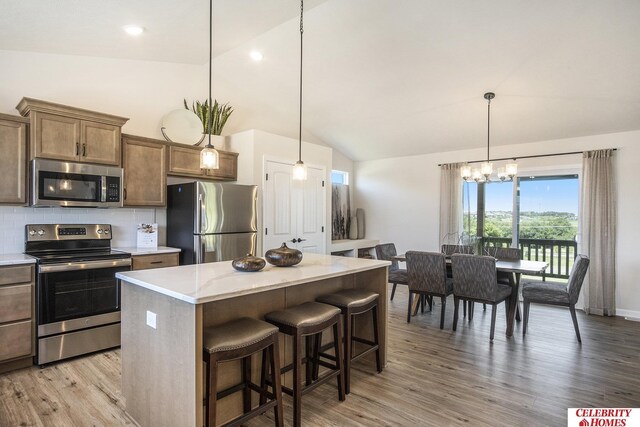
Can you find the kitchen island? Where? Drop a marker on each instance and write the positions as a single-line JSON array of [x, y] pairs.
[[165, 310]]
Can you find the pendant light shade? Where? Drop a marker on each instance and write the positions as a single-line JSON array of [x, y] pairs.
[[209, 157], [299, 172]]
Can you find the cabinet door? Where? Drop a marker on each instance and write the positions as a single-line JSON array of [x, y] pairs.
[[100, 143], [145, 175], [56, 137], [228, 170], [13, 162], [185, 161]]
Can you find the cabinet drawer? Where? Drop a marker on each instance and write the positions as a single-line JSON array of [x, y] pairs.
[[143, 262], [17, 274], [16, 340], [15, 303]]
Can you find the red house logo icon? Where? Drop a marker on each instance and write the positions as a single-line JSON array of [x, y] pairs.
[[584, 422]]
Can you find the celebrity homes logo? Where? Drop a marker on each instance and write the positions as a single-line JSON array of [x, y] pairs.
[[603, 417]]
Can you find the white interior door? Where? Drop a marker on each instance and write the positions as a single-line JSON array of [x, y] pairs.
[[293, 209], [311, 208]]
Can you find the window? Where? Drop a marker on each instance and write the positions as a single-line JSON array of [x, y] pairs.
[[539, 215], [339, 177]]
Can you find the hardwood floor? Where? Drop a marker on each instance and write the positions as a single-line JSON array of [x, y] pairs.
[[434, 377]]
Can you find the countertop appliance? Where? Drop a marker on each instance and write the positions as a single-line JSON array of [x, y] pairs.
[[69, 184], [211, 221], [77, 293]]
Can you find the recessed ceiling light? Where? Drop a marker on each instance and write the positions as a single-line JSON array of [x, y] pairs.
[[133, 30], [256, 56]]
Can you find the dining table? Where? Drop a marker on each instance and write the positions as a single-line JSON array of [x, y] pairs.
[[517, 268]]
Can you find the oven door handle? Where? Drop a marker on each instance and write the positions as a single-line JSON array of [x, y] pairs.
[[88, 265]]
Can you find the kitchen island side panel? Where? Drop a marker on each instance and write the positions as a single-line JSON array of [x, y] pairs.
[[161, 367]]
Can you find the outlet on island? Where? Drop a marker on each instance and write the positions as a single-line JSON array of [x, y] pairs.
[[151, 319]]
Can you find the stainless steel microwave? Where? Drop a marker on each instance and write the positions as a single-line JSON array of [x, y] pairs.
[[55, 183]]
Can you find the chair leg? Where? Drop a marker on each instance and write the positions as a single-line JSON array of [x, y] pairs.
[[456, 302], [393, 290], [518, 318], [525, 315], [274, 352], [376, 337], [494, 311], [337, 340], [409, 307], [297, 387], [309, 366], [430, 301], [484, 307], [246, 380], [464, 308], [212, 373], [263, 374], [470, 309], [572, 309], [316, 357], [348, 349], [444, 304]]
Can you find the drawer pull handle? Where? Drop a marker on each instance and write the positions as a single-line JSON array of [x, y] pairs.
[[156, 262]]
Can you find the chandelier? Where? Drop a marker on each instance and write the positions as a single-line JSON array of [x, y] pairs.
[[483, 174]]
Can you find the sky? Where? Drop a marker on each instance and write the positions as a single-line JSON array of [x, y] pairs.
[[538, 195]]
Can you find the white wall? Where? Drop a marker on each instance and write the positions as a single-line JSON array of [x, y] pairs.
[[401, 198], [143, 91]]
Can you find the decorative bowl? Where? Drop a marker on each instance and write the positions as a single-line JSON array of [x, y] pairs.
[[283, 256], [248, 263]]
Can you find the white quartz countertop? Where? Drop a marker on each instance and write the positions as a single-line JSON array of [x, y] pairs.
[[201, 283], [14, 259], [148, 251]]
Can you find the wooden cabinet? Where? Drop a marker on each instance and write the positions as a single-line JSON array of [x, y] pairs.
[[17, 320], [146, 262], [145, 173], [13, 161], [66, 133], [185, 161]]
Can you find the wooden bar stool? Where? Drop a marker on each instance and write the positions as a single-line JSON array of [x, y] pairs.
[[308, 320], [239, 339], [351, 303]]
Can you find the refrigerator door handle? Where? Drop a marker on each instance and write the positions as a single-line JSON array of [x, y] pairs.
[[202, 214]]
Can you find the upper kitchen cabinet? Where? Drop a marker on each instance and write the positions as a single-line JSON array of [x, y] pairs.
[[13, 162], [145, 173], [184, 160], [66, 133]]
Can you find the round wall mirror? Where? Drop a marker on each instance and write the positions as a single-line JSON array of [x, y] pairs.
[[182, 126]]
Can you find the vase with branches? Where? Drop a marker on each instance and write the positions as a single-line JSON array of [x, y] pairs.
[[216, 115]]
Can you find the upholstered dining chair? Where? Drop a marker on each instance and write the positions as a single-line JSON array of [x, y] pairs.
[[427, 272], [506, 254], [555, 293], [397, 275], [475, 280], [449, 250]]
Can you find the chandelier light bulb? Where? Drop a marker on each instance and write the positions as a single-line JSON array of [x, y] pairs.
[[465, 172], [511, 169], [477, 175], [299, 171], [486, 169]]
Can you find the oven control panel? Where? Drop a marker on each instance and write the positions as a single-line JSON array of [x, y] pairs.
[[44, 232]]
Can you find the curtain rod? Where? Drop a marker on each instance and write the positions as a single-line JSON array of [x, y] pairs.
[[530, 157]]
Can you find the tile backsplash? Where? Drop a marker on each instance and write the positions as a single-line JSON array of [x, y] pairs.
[[122, 220]]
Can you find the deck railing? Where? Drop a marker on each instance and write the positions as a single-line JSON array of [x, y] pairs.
[[560, 254]]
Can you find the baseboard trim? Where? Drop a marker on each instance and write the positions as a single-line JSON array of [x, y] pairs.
[[629, 314]]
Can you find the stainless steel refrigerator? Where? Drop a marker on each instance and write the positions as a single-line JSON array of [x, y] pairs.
[[211, 222]]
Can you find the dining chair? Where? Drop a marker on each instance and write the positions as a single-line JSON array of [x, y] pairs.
[[506, 254], [475, 280], [554, 293], [397, 275], [449, 250], [427, 273]]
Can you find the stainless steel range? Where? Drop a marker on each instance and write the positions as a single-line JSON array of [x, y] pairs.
[[78, 296]]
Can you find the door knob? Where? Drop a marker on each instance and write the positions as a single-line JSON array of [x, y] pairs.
[[293, 240], [301, 240]]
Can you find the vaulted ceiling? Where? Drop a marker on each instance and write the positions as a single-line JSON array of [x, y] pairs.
[[383, 78]]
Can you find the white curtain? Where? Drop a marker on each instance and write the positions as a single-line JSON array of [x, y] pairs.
[[450, 203], [598, 209]]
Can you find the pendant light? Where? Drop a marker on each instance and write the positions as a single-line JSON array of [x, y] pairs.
[[209, 157], [300, 169], [486, 168]]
